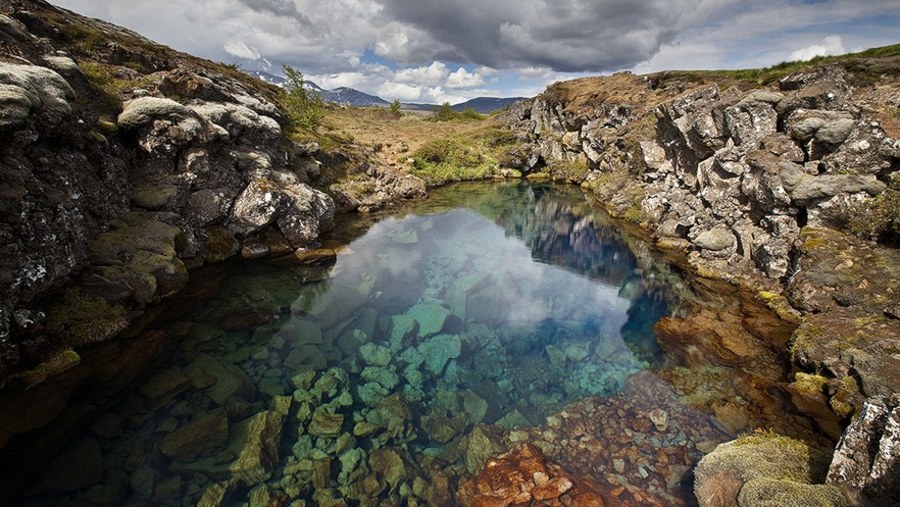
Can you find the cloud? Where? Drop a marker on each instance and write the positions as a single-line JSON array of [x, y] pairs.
[[392, 90], [240, 50], [424, 75], [464, 79], [510, 44], [830, 46]]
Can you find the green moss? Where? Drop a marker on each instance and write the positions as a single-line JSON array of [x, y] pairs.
[[846, 399], [877, 219], [570, 171], [809, 383], [81, 319], [766, 492]]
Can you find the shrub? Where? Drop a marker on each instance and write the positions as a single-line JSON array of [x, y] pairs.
[[443, 113], [303, 108], [395, 107]]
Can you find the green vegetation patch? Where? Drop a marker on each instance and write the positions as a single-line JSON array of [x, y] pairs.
[[82, 319], [473, 155], [304, 109]]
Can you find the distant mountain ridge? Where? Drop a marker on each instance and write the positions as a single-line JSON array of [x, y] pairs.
[[353, 97]]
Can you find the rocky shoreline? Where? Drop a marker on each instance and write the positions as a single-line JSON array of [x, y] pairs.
[[125, 165]]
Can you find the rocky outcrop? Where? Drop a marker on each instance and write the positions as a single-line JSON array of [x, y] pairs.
[[788, 192], [120, 181], [732, 176], [866, 461]]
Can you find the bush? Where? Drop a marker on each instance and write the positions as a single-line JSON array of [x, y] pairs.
[[303, 108], [443, 113], [395, 107]]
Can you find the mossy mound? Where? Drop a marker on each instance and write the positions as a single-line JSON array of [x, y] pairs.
[[764, 469]]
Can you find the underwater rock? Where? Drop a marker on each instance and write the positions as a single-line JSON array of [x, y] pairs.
[[523, 476], [218, 494], [163, 387], [396, 416], [76, 468], [372, 393], [225, 381], [482, 443], [324, 424], [382, 376], [375, 355], [430, 316], [301, 332], [389, 466], [401, 327], [258, 450], [438, 350], [200, 436]]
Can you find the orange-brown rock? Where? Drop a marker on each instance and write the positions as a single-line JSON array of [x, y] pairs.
[[523, 476]]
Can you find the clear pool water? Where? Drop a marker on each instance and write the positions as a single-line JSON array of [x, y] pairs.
[[361, 378]]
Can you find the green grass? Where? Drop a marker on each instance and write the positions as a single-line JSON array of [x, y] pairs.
[[473, 155], [768, 75]]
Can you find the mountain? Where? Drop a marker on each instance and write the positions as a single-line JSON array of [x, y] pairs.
[[487, 105], [341, 95], [351, 97], [267, 77]]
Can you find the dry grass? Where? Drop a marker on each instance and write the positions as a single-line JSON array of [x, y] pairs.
[[393, 138]]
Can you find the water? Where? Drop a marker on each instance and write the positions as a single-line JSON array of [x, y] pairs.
[[371, 377]]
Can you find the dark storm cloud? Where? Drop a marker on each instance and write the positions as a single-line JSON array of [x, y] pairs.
[[287, 8], [566, 35]]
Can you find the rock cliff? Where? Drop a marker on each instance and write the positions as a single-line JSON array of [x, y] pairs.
[[124, 164], [786, 190]]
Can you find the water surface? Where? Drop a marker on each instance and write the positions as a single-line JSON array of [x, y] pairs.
[[485, 309]]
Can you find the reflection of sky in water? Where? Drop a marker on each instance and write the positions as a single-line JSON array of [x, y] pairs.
[[463, 243]]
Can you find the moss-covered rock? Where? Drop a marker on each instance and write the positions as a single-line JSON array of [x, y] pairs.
[[771, 468], [82, 318]]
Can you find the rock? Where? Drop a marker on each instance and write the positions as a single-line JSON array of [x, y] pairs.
[[866, 463], [375, 355], [717, 239], [389, 466], [258, 440], [481, 444], [139, 112], [325, 424], [27, 88], [787, 469], [143, 481], [382, 376], [430, 316], [225, 381], [163, 387], [76, 468], [218, 494], [523, 476], [198, 437], [812, 188], [438, 350]]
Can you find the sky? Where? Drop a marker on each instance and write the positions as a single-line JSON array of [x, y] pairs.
[[438, 51]]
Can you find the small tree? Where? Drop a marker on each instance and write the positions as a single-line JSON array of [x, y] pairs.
[[444, 112], [303, 107], [395, 107]]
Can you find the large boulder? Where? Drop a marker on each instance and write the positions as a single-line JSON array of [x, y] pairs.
[[866, 463], [765, 470], [28, 89]]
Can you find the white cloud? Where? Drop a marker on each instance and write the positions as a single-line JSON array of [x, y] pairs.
[[426, 75], [830, 46], [464, 79], [392, 90], [241, 50]]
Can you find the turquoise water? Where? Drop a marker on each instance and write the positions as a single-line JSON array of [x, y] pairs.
[[355, 379]]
